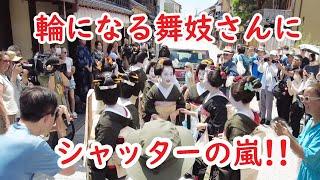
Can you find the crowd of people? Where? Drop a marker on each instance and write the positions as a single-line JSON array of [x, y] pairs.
[[138, 90]]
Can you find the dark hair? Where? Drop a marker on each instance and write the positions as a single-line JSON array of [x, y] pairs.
[[109, 48], [245, 96], [37, 102], [312, 57], [164, 52], [53, 45], [126, 89], [108, 96], [201, 66], [299, 57], [241, 50], [97, 43], [52, 60], [285, 48], [215, 79], [136, 44], [152, 64], [161, 64], [140, 57]]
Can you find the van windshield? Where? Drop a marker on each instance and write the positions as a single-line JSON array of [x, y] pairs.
[[192, 56]]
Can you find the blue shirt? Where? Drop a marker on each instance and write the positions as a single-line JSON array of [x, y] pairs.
[[254, 59], [231, 68], [246, 61], [309, 139], [284, 60], [23, 154], [84, 56]]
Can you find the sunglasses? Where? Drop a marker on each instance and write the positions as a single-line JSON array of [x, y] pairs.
[[308, 98], [6, 61]]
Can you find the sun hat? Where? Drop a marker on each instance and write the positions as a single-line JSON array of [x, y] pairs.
[[228, 50], [261, 48], [13, 56], [273, 53]]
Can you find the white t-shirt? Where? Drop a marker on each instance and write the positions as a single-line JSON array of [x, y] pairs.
[[8, 96], [69, 63], [113, 55]]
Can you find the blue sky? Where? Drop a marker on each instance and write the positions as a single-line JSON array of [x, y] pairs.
[[191, 6]]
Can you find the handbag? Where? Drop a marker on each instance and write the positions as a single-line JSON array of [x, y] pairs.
[[279, 89]]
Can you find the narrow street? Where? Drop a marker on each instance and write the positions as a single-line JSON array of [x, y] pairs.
[[79, 125]]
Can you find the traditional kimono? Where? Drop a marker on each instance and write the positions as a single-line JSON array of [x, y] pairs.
[[107, 131], [195, 98], [142, 80], [197, 94], [214, 113], [146, 89], [217, 114], [133, 111], [163, 101], [239, 125]]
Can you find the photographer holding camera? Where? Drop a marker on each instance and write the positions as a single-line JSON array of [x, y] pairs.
[[268, 81], [57, 79], [58, 83], [40, 114]]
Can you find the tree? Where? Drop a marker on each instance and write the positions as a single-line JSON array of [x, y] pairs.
[[245, 8]]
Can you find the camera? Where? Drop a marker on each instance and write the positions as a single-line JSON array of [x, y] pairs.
[[27, 66], [70, 130], [41, 57], [54, 62], [60, 67]]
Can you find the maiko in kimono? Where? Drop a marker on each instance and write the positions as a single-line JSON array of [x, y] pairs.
[[164, 99]]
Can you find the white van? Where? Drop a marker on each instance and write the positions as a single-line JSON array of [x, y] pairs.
[[193, 52]]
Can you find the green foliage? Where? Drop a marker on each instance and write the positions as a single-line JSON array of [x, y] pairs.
[[243, 8]]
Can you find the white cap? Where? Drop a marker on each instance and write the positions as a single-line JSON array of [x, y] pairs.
[[273, 52]]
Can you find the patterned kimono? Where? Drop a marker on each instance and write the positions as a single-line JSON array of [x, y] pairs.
[[107, 131], [195, 98], [163, 101], [238, 125]]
